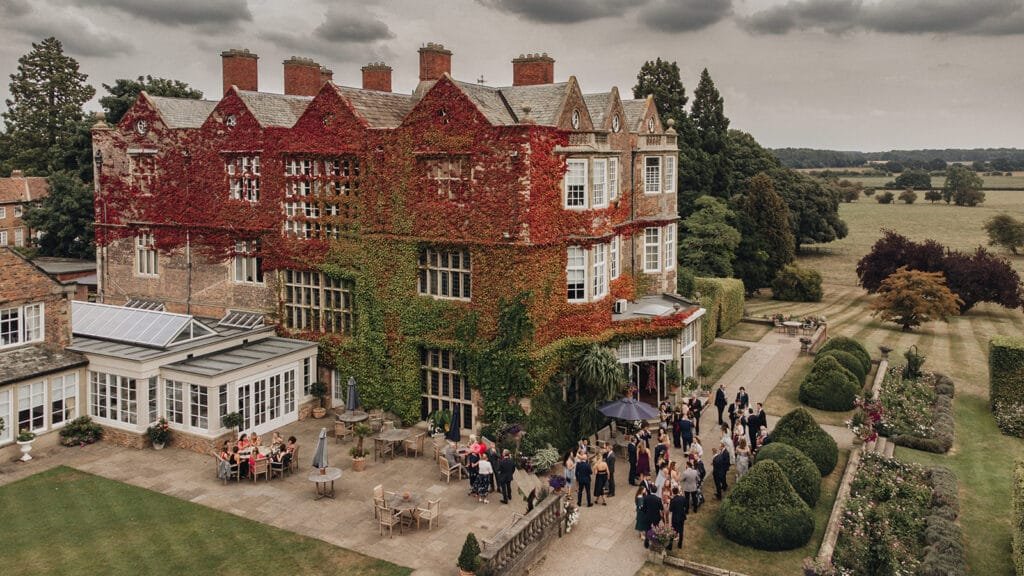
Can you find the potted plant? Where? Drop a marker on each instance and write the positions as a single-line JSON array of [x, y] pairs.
[[557, 482], [358, 453], [319, 389], [80, 431], [25, 438], [159, 433], [469, 558], [440, 422], [660, 538], [673, 377], [232, 420]]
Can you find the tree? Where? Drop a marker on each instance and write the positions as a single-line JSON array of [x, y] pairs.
[[912, 179], [64, 218], [125, 92], [933, 196], [912, 297], [1006, 231], [598, 370], [963, 186], [893, 166], [894, 250], [710, 135], [908, 196], [662, 80], [709, 240], [982, 277], [849, 191], [767, 242], [45, 109], [979, 166], [935, 164], [885, 197]]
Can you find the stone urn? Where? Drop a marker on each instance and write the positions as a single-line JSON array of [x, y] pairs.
[[26, 447], [158, 445]]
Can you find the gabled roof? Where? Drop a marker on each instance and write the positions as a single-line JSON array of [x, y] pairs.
[[379, 109], [182, 112], [634, 110], [17, 189], [275, 110], [544, 100], [490, 102], [133, 325], [598, 105]]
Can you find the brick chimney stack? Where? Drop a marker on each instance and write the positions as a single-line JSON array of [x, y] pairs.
[[377, 76], [326, 75], [435, 61], [239, 68], [301, 77], [530, 69]]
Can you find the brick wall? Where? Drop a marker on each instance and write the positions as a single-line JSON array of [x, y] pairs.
[[301, 77], [22, 283], [533, 69]]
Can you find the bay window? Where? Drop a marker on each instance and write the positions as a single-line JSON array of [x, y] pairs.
[[174, 402], [113, 397], [670, 174], [599, 257], [599, 183], [670, 247], [576, 184], [613, 178], [652, 175]]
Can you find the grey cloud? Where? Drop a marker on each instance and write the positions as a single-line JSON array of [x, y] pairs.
[[977, 17], [79, 35], [345, 26], [563, 11], [685, 15], [203, 13], [14, 8], [328, 53]]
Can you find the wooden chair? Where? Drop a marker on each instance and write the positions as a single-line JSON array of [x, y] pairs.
[[415, 444], [376, 420], [383, 448], [260, 466], [447, 471], [431, 514], [295, 459], [388, 425], [278, 469], [341, 431], [232, 469], [378, 499], [387, 519], [439, 444]]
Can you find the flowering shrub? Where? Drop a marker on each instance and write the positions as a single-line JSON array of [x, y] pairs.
[[661, 535], [908, 403], [556, 482], [159, 432], [80, 431], [865, 421]]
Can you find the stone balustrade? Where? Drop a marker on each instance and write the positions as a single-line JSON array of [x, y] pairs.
[[514, 550]]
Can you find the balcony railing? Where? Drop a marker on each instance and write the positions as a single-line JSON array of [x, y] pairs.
[[512, 551], [597, 140], [658, 140]]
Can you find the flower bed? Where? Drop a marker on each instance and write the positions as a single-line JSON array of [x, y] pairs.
[[900, 520], [918, 411]]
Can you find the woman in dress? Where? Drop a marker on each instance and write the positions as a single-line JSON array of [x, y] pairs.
[[473, 468], [641, 524], [225, 451], [482, 485], [742, 459], [674, 476], [643, 460], [569, 470], [243, 441], [600, 480]]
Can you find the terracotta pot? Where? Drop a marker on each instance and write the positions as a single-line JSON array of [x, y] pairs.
[[358, 464], [464, 573], [319, 412]]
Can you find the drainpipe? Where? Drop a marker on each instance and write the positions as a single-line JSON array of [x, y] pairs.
[[188, 265], [632, 209]]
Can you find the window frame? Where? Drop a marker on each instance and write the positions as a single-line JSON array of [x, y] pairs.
[[147, 257], [37, 408], [656, 244], [614, 252], [28, 324], [596, 174], [669, 172], [599, 269], [243, 174], [119, 396], [576, 264], [247, 259], [613, 178], [440, 370], [67, 391], [307, 295], [669, 255], [584, 200], [3, 215], [436, 274], [652, 180]]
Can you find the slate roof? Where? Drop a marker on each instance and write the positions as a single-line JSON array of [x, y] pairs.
[[182, 112], [275, 110], [598, 104], [634, 110], [491, 103], [38, 360], [544, 100], [54, 265], [248, 354], [22, 189], [379, 109]]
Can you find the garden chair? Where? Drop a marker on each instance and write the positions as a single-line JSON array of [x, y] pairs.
[[388, 425], [778, 326], [295, 459], [278, 469], [415, 444], [388, 519], [226, 470], [447, 471], [341, 431], [261, 466], [376, 420], [438, 444], [431, 514], [378, 499]]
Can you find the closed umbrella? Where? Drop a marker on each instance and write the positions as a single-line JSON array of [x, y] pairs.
[[320, 453], [455, 434], [352, 402], [629, 409]]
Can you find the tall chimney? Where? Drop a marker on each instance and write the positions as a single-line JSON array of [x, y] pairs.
[[326, 75], [530, 69], [377, 76], [301, 76], [240, 69], [435, 61]]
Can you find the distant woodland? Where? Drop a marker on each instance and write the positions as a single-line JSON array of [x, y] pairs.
[[982, 159]]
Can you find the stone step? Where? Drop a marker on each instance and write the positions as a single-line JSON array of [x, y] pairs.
[[880, 445], [890, 449]]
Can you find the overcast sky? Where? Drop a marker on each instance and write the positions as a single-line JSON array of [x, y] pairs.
[[845, 74]]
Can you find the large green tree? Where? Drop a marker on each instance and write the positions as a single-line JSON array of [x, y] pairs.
[[705, 165], [963, 186], [661, 79], [708, 241], [64, 218], [44, 113], [1006, 231], [767, 243], [125, 92]]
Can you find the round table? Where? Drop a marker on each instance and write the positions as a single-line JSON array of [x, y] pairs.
[[321, 480], [352, 416], [792, 326], [404, 507]]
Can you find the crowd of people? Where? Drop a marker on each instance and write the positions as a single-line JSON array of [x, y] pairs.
[[248, 449], [486, 470]]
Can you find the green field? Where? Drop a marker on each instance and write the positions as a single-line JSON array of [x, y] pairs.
[[64, 521], [981, 457], [991, 182]]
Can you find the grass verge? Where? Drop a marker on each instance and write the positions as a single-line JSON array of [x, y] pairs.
[[718, 358], [748, 331]]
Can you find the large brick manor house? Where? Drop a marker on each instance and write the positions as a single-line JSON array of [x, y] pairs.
[[380, 225]]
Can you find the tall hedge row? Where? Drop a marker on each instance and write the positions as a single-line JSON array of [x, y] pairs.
[[723, 300], [1018, 517], [1006, 378]]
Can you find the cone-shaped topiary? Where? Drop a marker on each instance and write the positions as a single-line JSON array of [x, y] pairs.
[[800, 470], [799, 430], [829, 386], [848, 360], [763, 511], [848, 345]]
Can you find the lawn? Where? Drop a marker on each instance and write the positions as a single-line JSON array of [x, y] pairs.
[[703, 543], [786, 395], [64, 521], [991, 182], [747, 331], [981, 457], [718, 358]]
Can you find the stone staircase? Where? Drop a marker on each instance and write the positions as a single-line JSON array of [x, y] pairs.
[[881, 446]]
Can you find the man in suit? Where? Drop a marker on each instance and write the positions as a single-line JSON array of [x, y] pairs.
[[690, 481], [753, 427], [631, 454], [609, 459], [720, 403], [719, 469], [762, 416], [647, 484], [677, 509], [686, 431], [696, 406], [742, 399], [583, 474], [504, 472], [652, 509]]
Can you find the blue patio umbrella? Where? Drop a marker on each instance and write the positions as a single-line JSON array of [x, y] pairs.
[[320, 453], [352, 401], [629, 409], [455, 433]]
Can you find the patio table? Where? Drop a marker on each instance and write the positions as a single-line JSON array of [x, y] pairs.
[[396, 436], [405, 507], [792, 326], [321, 480], [352, 416]]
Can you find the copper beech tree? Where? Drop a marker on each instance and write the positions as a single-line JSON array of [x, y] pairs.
[[912, 297]]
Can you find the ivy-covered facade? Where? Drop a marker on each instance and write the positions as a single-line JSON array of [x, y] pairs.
[[451, 248]]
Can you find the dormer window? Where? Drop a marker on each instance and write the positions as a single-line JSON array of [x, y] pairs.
[[616, 123], [141, 126], [650, 125], [231, 120], [575, 119]]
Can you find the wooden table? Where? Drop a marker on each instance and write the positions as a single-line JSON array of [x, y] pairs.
[[352, 416], [792, 326], [321, 480], [404, 507], [396, 436]]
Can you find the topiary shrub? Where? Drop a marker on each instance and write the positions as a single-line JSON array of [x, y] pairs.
[[763, 511], [800, 470], [848, 345], [1006, 377], [797, 284], [847, 360], [830, 387], [799, 430]]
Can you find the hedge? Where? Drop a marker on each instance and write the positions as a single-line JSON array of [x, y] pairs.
[[943, 426], [848, 345], [797, 284], [800, 470], [763, 511], [830, 387], [849, 361], [799, 430], [1018, 517], [944, 549], [723, 300], [1006, 378]]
